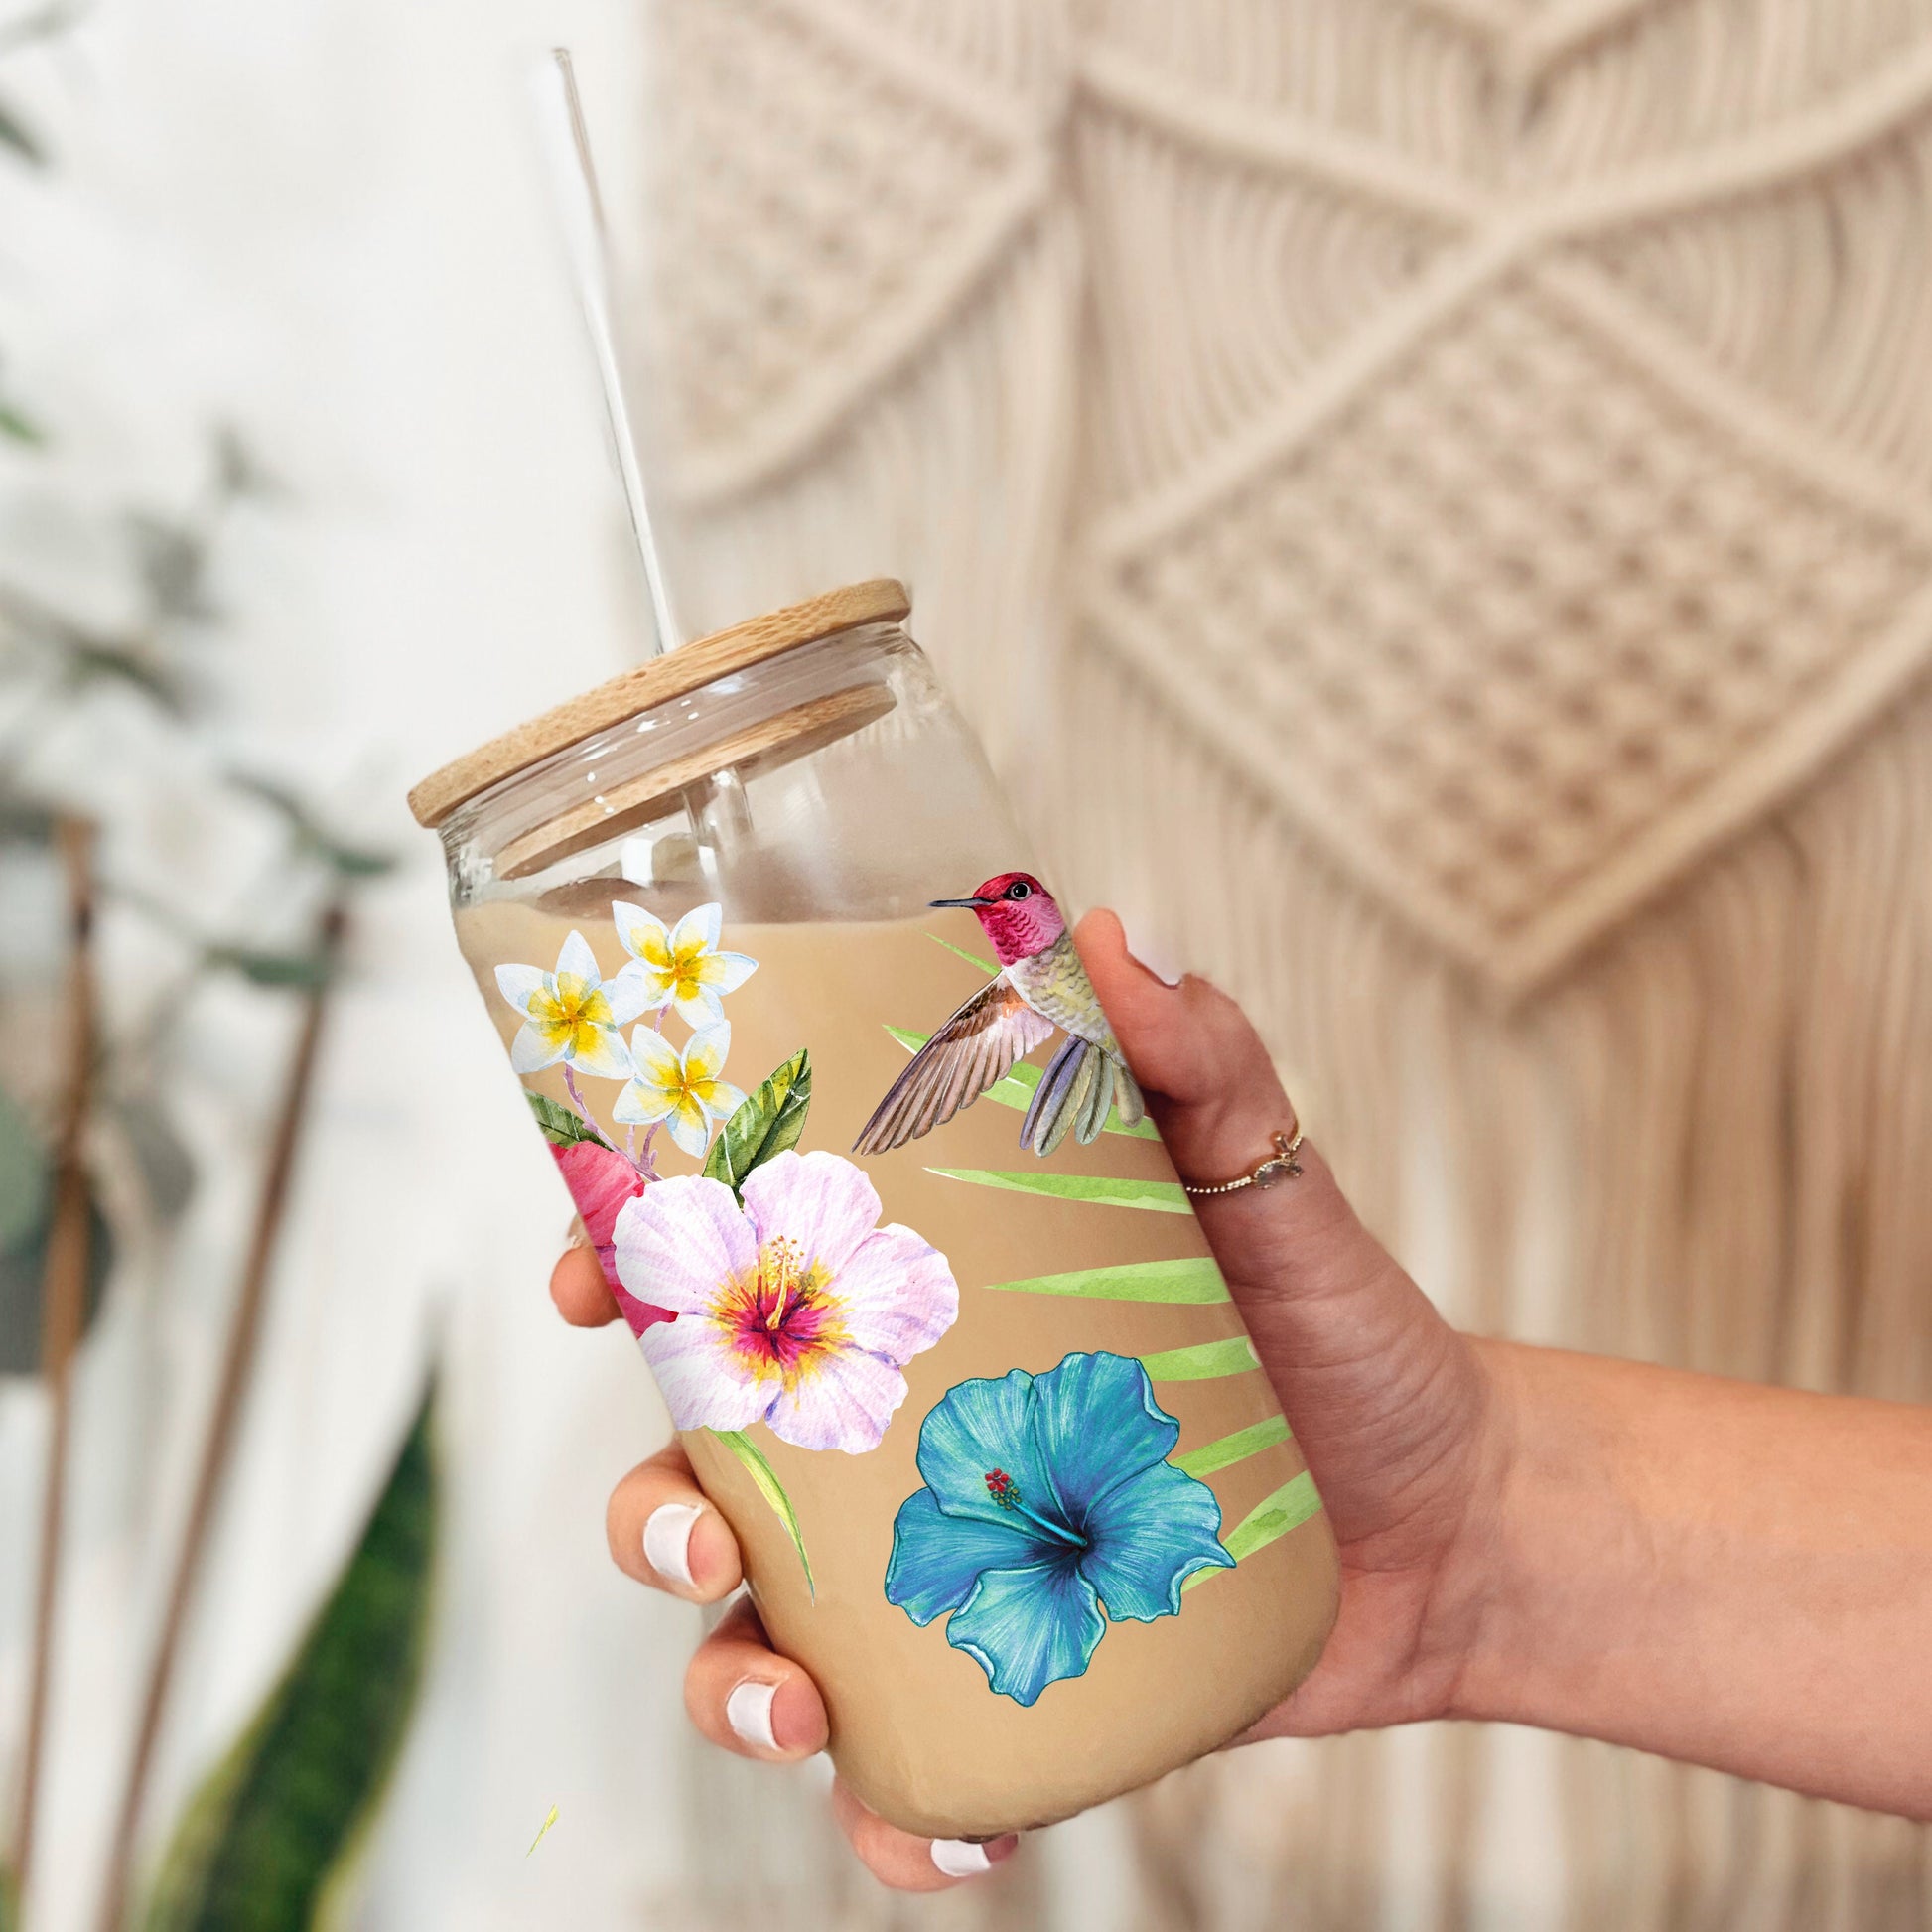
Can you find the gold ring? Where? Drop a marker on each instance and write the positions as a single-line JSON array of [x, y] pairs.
[[1264, 1174]]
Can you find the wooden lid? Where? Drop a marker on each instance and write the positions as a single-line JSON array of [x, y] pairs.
[[880, 600]]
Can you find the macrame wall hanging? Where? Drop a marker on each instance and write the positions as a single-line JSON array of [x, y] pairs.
[[1477, 456]]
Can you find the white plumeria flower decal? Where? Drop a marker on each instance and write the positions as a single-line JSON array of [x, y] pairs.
[[683, 1090], [574, 1014], [681, 965]]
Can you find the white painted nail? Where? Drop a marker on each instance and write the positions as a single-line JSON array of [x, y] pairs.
[[960, 1857], [1154, 959], [668, 1539], [749, 1712]]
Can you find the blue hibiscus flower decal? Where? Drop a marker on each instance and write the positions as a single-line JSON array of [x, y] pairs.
[[1048, 1498]]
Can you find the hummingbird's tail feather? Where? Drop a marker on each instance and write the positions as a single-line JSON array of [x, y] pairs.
[[1082, 1084], [1097, 1099], [1051, 1110], [1076, 1092]]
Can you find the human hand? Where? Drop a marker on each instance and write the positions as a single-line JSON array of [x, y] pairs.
[[1393, 1410]]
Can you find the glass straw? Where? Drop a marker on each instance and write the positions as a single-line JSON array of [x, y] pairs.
[[718, 808], [580, 207]]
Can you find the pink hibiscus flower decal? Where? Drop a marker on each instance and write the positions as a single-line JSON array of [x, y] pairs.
[[600, 1182], [796, 1310]]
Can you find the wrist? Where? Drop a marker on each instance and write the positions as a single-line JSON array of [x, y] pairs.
[[1489, 1587], [1566, 1569]]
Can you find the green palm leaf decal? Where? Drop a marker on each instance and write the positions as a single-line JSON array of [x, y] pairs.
[[764, 1124], [1014, 1089], [1192, 1281], [1205, 1362], [1270, 1519], [774, 1492], [1230, 1449], [277, 1821], [1160, 1196], [986, 966]]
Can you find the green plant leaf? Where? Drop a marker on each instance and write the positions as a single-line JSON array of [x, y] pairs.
[[1230, 1449], [278, 1820], [349, 861], [9, 1899], [173, 562], [560, 1127], [261, 967], [160, 1155], [24, 1179], [1203, 1362], [18, 426], [1135, 1281], [355, 861], [96, 660], [23, 1279], [1270, 1519], [26, 1207], [17, 135], [774, 1492], [765, 1125], [1160, 1196]]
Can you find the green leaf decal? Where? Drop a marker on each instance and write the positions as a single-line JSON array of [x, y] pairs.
[[1133, 1280], [1014, 1089], [767, 1124], [774, 1492], [986, 966], [1270, 1519], [1162, 1196], [277, 1821], [1230, 1449], [1205, 1362], [562, 1126]]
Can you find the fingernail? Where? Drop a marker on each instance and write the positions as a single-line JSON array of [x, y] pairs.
[[749, 1712], [1155, 961], [967, 1858], [667, 1541]]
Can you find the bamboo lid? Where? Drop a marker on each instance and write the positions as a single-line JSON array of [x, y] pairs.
[[880, 600]]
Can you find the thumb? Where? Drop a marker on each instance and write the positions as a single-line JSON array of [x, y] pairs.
[[1194, 1051], [1368, 1371]]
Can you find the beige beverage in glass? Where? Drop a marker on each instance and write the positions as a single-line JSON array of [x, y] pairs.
[[813, 1053]]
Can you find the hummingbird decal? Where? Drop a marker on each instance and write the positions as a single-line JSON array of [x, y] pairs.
[[1042, 988]]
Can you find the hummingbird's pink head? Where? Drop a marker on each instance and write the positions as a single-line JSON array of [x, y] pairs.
[[1018, 912]]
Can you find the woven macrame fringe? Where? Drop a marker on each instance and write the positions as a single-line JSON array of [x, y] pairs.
[[1699, 1149]]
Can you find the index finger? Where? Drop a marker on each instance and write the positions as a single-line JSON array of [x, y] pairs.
[[577, 1285]]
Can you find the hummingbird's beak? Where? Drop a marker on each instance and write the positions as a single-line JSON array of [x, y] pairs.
[[961, 902]]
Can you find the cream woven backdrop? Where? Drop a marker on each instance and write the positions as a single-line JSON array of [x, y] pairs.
[[1429, 507]]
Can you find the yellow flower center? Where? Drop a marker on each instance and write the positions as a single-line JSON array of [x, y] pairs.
[[779, 1317], [571, 1014], [686, 975]]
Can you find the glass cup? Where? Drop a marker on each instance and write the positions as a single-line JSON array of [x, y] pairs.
[[878, 1196]]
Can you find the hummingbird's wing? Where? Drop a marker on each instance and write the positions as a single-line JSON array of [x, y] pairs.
[[975, 1048]]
